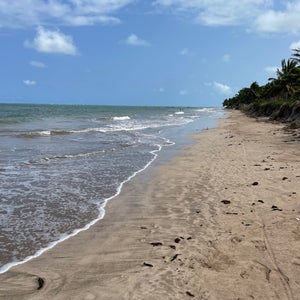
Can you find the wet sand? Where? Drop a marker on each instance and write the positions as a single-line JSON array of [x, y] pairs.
[[219, 221]]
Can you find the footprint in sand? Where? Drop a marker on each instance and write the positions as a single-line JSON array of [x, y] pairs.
[[260, 245], [236, 239]]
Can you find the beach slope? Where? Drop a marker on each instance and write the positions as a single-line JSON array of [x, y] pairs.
[[219, 221]]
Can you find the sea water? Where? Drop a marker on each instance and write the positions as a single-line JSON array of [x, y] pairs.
[[60, 164]]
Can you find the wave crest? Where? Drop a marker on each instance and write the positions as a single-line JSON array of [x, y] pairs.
[[122, 118]]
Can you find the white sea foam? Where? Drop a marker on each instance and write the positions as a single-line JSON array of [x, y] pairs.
[[129, 127], [45, 133], [109, 128], [101, 215], [113, 127], [87, 154], [36, 133], [87, 130], [121, 118], [206, 109]]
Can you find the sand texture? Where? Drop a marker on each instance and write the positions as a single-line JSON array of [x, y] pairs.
[[219, 221]]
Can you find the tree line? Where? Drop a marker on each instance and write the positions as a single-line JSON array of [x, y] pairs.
[[278, 99]]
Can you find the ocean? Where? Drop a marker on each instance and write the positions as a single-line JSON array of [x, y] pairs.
[[60, 164]]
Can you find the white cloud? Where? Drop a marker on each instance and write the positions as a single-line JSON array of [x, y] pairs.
[[183, 92], [29, 82], [295, 45], [271, 69], [226, 58], [90, 20], [58, 12], [286, 20], [134, 40], [261, 15], [218, 12], [48, 41], [278, 22], [38, 64], [222, 88]]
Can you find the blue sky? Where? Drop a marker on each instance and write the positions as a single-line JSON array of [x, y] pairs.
[[138, 52]]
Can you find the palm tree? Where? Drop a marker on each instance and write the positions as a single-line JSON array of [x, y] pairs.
[[296, 55], [285, 83], [286, 67], [285, 88], [255, 89]]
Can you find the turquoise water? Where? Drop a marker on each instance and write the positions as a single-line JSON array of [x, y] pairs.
[[59, 164]]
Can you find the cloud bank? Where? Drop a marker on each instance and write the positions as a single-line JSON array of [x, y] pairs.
[[259, 15], [285, 20], [217, 12], [17, 14]]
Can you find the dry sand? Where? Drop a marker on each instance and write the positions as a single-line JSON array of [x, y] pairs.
[[203, 247]]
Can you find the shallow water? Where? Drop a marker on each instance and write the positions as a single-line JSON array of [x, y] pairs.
[[59, 164]]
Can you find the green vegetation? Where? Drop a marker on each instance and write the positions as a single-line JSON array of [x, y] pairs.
[[279, 99]]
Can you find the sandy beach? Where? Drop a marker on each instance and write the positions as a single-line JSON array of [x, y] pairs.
[[219, 221]]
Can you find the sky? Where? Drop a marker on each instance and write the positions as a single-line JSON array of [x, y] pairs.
[[138, 52]]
